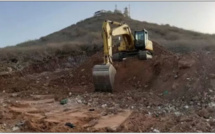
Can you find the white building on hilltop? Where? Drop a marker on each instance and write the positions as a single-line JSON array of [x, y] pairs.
[[98, 13]]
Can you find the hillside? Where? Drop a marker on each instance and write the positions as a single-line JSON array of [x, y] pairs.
[[85, 38], [88, 31]]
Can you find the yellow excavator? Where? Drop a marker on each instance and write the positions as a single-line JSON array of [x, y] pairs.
[[131, 45]]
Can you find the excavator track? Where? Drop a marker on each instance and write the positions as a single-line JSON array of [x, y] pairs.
[[103, 77]]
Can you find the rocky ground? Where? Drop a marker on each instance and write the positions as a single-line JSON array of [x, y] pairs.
[[170, 93]]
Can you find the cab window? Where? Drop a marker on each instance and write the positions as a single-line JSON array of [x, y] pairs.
[[139, 35]]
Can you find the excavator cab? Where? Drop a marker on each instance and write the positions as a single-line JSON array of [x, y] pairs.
[[140, 40], [143, 45]]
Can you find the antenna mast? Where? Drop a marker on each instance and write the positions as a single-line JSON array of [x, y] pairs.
[[129, 10]]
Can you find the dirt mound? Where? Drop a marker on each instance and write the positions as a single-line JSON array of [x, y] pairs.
[[169, 93], [167, 74], [160, 73]]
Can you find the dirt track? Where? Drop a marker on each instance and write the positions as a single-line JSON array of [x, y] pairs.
[[170, 93]]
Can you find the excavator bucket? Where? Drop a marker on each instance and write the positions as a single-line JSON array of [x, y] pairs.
[[103, 77]]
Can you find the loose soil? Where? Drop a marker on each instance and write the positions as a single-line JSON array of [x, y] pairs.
[[170, 93]]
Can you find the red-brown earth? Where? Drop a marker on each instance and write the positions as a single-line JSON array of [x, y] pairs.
[[170, 93]]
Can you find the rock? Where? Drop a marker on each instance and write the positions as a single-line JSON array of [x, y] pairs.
[[4, 104], [104, 113], [68, 65], [21, 123], [186, 106], [104, 105], [175, 85], [9, 69], [15, 128], [70, 93], [212, 104], [46, 84], [207, 120], [14, 95], [82, 70], [204, 113], [184, 64], [3, 91], [149, 114], [177, 113], [212, 76], [156, 130], [160, 94], [111, 129], [175, 76], [189, 79], [79, 101], [71, 59], [91, 123], [71, 75], [185, 118], [191, 102], [82, 83], [195, 98], [129, 98], [57, 70], [150, 93]]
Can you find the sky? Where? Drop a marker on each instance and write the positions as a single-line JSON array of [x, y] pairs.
[[23, 21]]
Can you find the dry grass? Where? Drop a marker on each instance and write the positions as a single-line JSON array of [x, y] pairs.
[[20, 57]]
